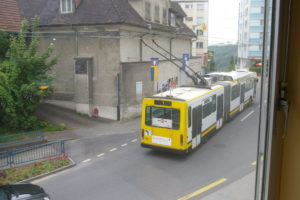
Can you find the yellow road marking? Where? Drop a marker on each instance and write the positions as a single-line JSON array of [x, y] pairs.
[[253, 163], [204, 189]]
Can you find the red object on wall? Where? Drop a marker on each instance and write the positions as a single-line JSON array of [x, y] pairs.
[[96, 112], [204, 59]]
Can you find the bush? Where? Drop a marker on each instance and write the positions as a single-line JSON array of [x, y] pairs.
[[22, 74]]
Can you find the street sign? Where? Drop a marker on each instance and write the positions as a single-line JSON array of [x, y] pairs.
[[185, 60], [154, 61]]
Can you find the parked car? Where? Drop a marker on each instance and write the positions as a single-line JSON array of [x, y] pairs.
[[23, 191]]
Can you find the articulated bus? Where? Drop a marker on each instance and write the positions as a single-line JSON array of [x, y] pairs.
[[180, 120]]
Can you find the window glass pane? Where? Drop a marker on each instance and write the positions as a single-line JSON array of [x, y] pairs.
[[162, 117], [81, 66], [213, 104], [189, 117], [207, 109]]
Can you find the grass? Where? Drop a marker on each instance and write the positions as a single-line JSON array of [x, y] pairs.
[[48, 127], [17, 174]]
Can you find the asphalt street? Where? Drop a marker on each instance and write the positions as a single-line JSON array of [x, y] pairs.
[[114, 166]]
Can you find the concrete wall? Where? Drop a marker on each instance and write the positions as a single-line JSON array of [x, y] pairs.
[[64, 51], [126, 56], [140, 72]]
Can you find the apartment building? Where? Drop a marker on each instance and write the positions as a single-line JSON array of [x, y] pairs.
[[197, 20], [251, 31]]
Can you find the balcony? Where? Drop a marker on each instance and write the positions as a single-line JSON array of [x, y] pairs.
[[256, 40], [257, 3], [256, 28], [255, 53], [256, 16]]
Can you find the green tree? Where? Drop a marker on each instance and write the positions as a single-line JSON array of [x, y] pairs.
[[231, 66], [22, 76], [4, 44]]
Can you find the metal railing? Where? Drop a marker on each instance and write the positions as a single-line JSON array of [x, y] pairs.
[[21, 138], [28, 154]]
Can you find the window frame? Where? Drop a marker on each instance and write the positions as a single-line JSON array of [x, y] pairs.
[[69, 4]]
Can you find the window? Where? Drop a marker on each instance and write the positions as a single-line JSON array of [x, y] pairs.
[[156, 16], [66, 6], [235, 92], [188, 6], [214, 103], [254, 47], [196, 129], [207, 109], [189, 19], [255, 10], [165, 16], [148, 11], [162, 117], [209, 106], [199, 45], [200, 7], [190, 117], [81, 66], [200, 20], [199, 32], [254, 35], [255, 23]]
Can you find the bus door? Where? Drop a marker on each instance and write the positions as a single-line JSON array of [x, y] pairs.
[[242, 96], [196, 125], [220, 110]]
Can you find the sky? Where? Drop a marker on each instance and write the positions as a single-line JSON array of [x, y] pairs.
[[223, 21]]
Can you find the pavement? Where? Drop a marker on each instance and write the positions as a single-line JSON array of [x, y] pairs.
[[81, 128], [241, 189]]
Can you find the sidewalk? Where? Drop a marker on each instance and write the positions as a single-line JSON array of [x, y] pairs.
[[242, 189], [109, 128], [81, 126]]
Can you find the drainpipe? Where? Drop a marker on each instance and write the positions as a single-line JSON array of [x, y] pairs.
[[118, 97]]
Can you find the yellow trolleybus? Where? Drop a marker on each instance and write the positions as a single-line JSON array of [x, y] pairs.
[[180, 119]]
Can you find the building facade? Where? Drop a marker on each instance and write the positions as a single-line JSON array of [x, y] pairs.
[[103, 50], [197, 20], [251, 32]]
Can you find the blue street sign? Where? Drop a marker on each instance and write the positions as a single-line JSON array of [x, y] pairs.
[[186, 57], [185, 60], [154, 61]]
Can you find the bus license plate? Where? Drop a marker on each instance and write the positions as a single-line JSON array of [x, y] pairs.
[[161, 140]]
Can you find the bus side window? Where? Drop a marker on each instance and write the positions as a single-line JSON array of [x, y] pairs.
[[190, 117], [148, 116], [235, 93], [213, 104]]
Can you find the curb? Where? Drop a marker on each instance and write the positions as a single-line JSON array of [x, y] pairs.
[[73, 164]]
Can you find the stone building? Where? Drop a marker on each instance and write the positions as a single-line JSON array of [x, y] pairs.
[[103, 66]]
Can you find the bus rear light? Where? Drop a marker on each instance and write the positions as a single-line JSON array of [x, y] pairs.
[[142, 133], [181, 140]]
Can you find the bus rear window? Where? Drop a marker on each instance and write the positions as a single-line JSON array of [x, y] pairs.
[[162, 117]]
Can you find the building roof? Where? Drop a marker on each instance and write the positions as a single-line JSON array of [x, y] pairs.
[[91, 12], [10, 19], [176, 8]]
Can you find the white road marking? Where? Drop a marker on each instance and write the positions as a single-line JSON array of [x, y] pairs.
[[134, 140], [247, 115], [87, 160], [123, 145], [101, 154], [113, 149]]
